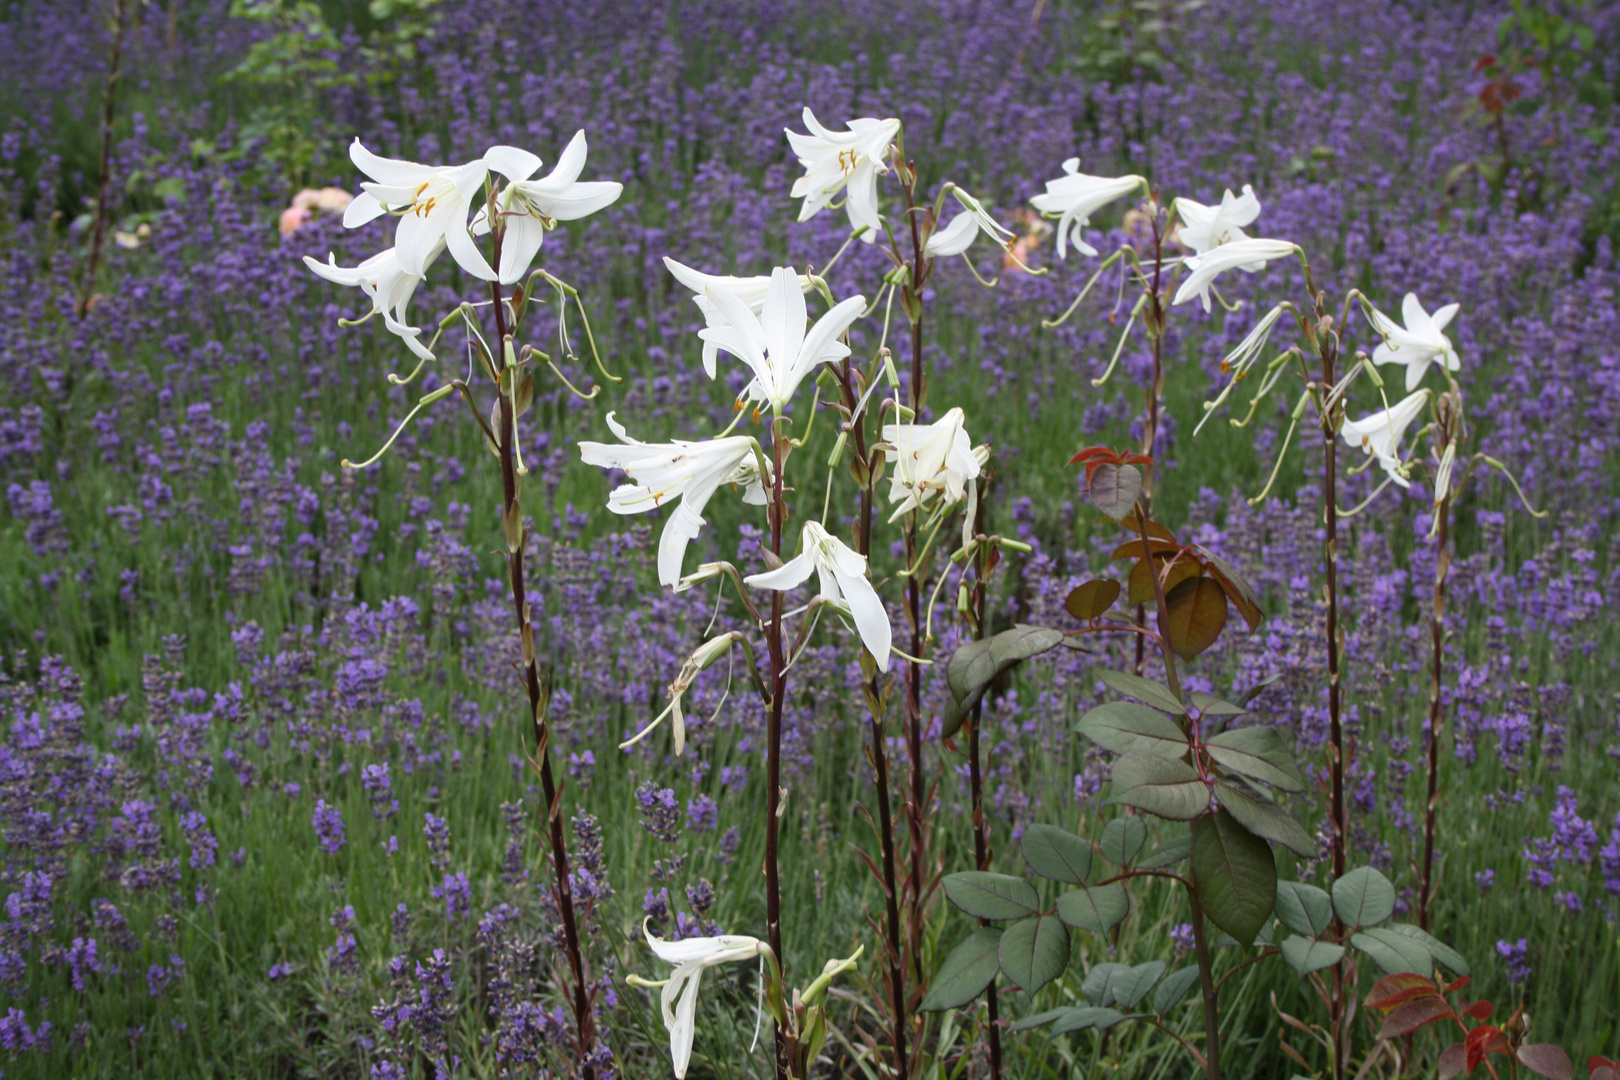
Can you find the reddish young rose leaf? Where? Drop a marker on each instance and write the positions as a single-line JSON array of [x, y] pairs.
[[1092, 599], [1405, 1019], [1196, 613], [1141, 590], [1092, 453], [1479, 1043], [1479, 1010], [1453, 1061], [1155, 531], [1602, 1068], [1113, 489], [1547, 1060], [1236, 587], [1398, 989], [1453, 987], [1132, 549]]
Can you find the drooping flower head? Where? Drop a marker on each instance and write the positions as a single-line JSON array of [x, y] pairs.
[[1380, 434], [750, 290], [1073, 197], [680, 992], [930, 460], [432, 201], [774, 343], [1205, 227], [834, 159], [690, 472], [844, 586], [958, 236], [1245, 255], [389, 286], [1419, 343], [530, 207]]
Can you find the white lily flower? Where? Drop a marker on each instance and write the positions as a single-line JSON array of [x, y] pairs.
[[958, 236], [774, 342], [844, 585], [1419, 343], [1073, 197], [680, 992], [750, 290], [930, 459], [434, 200], [531, 207], [832, 159], [1205, 227], [1380, 434], [389, 286], [1245, 255], [689, 471]]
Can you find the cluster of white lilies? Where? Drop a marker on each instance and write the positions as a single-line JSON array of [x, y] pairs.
[[765, 323]]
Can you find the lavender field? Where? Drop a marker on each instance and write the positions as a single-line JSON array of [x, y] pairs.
[[843, 725]]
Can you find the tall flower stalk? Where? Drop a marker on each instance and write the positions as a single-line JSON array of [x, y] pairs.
[[433, 203]]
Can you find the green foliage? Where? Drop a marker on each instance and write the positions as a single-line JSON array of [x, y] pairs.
[[289, 71], [1234, 875]]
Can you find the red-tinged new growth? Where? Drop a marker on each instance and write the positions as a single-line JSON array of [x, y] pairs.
[[1410, 1002]]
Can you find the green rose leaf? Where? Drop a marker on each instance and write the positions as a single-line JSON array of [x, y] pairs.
[[1055, 854], [966, 971], [1034, 951], [1143, 690], [1162, 786], [1123, 840], [1258, 753], [1393, 952], [1097, 909], [992, 896], [1265, 820], [1123, 726], [1306, 956], [1234, 875], [1304, 909], [1363, 897]]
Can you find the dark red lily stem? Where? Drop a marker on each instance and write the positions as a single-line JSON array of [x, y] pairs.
[[109, 105], [981, 827], [773, 745], [918, 793], [872, 689], [1437, 645], [1324, 338], [512, 515]]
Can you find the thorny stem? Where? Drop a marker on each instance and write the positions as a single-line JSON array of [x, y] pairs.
[[1437, 643], [873, 690], [981, 828], [1206, 969], [109, 104], [773, 742], [1206, 981], [584, 1021]]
